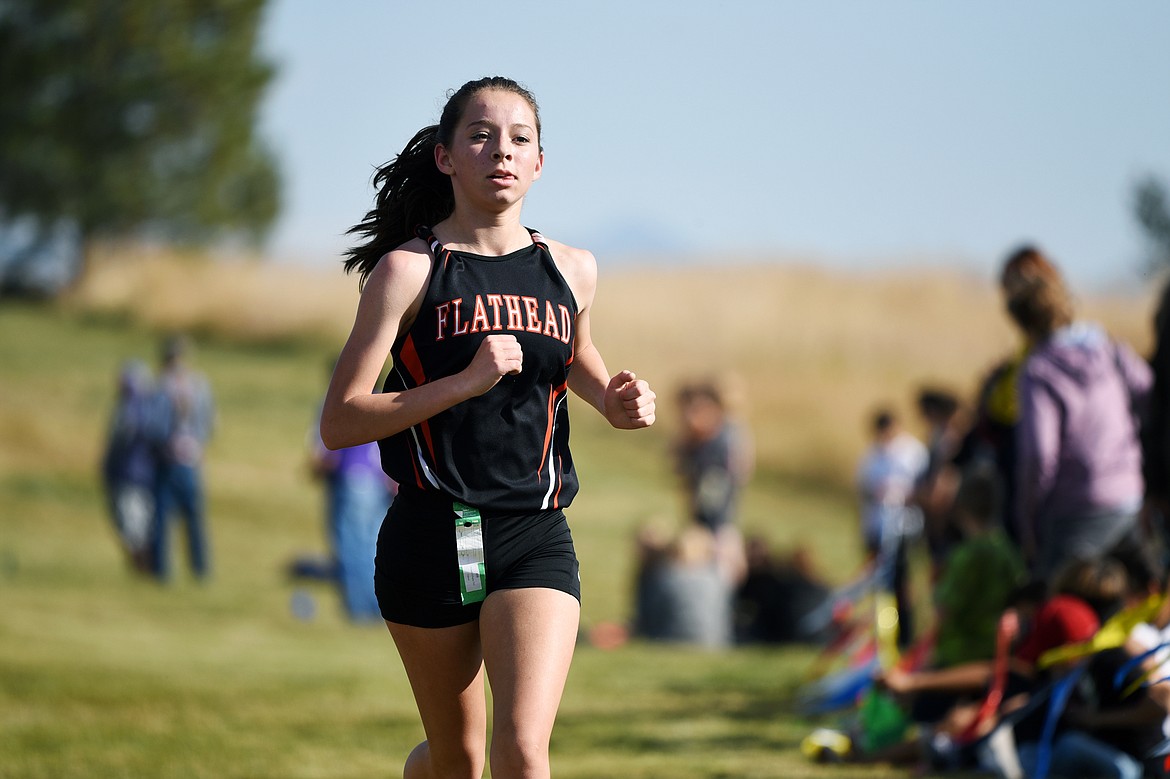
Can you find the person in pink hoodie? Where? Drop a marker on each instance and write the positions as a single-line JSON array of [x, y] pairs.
[[1079, 461]]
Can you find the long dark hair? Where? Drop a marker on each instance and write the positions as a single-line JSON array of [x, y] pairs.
[[411, 190]]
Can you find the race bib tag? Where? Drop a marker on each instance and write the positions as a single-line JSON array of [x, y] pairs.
[[469, 546]]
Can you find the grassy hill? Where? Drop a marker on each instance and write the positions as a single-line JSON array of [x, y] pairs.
[[103, 674]]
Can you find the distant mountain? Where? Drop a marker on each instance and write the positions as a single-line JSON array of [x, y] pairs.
[[637, 240]]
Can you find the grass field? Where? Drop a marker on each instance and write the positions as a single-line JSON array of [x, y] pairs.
[[103, 674]]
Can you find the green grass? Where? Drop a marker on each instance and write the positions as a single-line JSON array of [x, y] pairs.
[[104, 674]]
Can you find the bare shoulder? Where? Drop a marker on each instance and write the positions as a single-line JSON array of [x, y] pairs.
[[579, 267], [397, 283], [410, 260]]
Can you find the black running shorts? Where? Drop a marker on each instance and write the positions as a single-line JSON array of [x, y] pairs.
[[416, 576]]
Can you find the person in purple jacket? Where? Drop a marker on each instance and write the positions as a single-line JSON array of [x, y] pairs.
[[1079, 461], [357, 496]]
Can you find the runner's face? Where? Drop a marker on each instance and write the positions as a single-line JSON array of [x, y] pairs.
[[494, 154]]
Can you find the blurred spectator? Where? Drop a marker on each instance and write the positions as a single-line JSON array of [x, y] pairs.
[[1151, 642], [779, 597], [941, 412], [182, 418], [358, 494], [683, 594], [1156, 433], [980, 575], [950, 700], [128, 466], [886, 479], [1108, 729], [935, 492], [713, 456], [1085, 590], [992, 435], [1081, 396]]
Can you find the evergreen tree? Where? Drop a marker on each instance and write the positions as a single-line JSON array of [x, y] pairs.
[[124, 118]]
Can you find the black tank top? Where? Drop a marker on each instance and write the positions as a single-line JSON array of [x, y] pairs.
[[508, 449]]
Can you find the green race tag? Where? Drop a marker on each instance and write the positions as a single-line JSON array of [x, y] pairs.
[[469, 546]]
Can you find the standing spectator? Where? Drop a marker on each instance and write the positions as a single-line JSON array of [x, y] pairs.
[[182, 420], [1079, 465], [992, 435], [1156, 433], [714, 460], [128, 466], [886, 479], [935, 492], [993, 431], [358, 493]]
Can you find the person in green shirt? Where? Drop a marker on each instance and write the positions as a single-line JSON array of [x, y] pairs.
[[980, 575]]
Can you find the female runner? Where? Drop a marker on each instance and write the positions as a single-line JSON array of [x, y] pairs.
[[488, 325]]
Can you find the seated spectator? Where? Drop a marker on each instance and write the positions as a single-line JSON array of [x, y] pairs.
[[980, 575], [682, 595], [1085, 590], [778, 597], [1110, 728]]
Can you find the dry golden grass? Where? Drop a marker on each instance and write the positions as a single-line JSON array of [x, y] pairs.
[[814, 351], [237, 297], [811, 351]]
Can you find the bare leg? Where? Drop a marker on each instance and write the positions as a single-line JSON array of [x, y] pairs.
[[528, 638], [445, 668]]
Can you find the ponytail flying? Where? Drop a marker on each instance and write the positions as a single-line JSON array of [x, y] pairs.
[[412, 191]]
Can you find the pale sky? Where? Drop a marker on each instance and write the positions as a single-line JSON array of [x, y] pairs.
[[853, 134]]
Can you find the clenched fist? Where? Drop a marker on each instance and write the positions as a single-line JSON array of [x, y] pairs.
[[497, 356], [629, 402]]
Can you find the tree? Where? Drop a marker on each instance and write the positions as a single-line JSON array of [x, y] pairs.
[[128, 118], [1153, 214]]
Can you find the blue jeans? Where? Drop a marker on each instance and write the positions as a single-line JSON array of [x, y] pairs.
[[1076, 755], [179, 487], [357, 506]]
